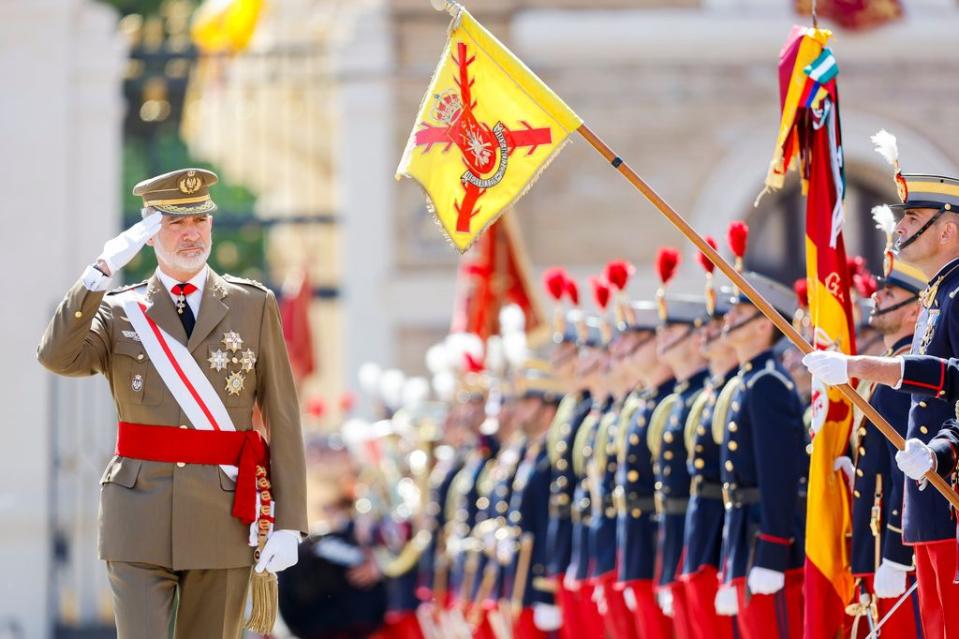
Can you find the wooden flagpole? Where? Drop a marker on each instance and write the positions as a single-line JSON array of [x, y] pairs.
[[758, 300]]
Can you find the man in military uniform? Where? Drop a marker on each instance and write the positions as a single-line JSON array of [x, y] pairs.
[[680, 317], [573, 409], [637, 522], [704, 518], [928, 238], [762, 458], [188, 354], [527, 590]]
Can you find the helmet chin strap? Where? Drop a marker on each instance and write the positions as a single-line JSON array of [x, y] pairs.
[[901, 244], [894, 307], [679, 340], [740, 324]]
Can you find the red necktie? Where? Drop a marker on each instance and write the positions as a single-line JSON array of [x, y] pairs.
[[182, 308]]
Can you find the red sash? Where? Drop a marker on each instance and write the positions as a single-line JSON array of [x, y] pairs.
[[244, 449]]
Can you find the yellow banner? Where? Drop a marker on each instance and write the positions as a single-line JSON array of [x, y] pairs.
[[486, 128]]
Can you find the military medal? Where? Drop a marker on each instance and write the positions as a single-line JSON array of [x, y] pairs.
[[137, 383], [248, 360], [218, 360], [234, 383], [232, 341]]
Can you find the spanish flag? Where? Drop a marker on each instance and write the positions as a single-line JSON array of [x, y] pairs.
[[486, 128], [810, 140], [225, 26]]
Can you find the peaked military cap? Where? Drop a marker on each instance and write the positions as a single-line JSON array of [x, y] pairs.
[[905, 276], [181, 192], [781, 297], [683, 309], [643, 315], [924, 191]]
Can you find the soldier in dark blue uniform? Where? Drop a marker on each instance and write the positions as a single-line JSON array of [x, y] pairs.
[[704, 518], [761, 455], [667, 439], [637, 522], [928, 238], [528, 592]]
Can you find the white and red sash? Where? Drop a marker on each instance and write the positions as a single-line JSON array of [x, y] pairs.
[[185, 380]]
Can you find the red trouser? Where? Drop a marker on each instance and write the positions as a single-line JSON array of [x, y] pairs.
[[700, 589], [903, 624], [771, 616], [650, 621], [938, 594], [573, 627], [400, 625], [589, 612], [524, 628], [617, 617]]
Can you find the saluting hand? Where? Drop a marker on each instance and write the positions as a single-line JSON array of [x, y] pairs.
[[118, 251]]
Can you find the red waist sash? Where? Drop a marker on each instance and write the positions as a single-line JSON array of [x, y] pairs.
[[244, 449]]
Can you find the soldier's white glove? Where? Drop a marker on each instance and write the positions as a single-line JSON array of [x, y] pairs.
[[118, 252], [916, 459], [505, 549], [763, 581], [726, 602], [279, 551], [547, 617], [629, 597], [830, 367], [664, 597], [890, 579], [844, 464], [569, 581]]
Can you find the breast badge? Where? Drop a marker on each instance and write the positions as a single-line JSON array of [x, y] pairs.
[[234, 383], [234, 361], [218, 360], [137, 383]]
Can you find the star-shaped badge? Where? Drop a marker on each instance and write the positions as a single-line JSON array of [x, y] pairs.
[[218, 360], [232, 341], [248, 360], [234, 383]]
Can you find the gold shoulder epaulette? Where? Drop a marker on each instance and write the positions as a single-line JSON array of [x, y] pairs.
[[579, 444], [657, 423], [721, 411], [407, 558], [560, 426]]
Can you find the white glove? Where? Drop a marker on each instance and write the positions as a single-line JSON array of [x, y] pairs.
[[829, 367], [916, 459], [890, 579], [629, 597], [569, 581], [121, 249], [844, 464], [664, 597], [763, 581], [547, 617], [505, 551], [726, 602], [279, 552]]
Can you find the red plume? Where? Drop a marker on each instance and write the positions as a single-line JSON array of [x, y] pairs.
[[618, 273], [801, 287], [666, 262], [572, 289], [555, 281], [856, 265], [865, 284], [600, 292], [703, 260], [738, 237], [316, 407], [472, 364]]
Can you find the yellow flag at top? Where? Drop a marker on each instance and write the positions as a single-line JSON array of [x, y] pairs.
[[486, 128]]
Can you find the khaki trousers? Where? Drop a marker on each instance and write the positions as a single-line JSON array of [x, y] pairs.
[[210, 603]]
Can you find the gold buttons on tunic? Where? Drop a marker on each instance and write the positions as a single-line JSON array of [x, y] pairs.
[[729, 465], [923, 430], [700, 431], [632, 475], [180, 464], [78, 314], [733, 445], [859, 472], [636, 513], [733, 427], [862, 451], [668, 455], [668, 437], [699, 463], [856, 494]]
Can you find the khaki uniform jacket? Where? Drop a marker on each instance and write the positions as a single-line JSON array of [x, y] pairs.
[[159, 513]]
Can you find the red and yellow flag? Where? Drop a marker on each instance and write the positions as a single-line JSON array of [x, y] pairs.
[[486, 128], [809, 139]]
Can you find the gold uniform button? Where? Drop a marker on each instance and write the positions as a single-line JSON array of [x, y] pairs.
[[180, 464], [733, 427], [862, 451], [634, 439], [668, 437], [636, 513], [700, 431], [729, 465], [78, 314], [668, 455], [140, 357], [561, 464], [183, 426], [859, 472], [699, 463], [922, 404], [862, 432], [856, 493], [923, 430], [632, 475], [732, 445]]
